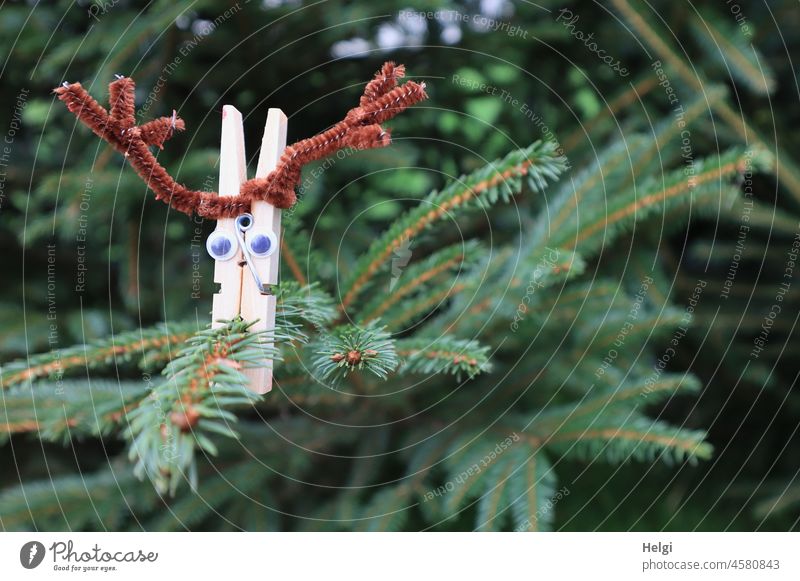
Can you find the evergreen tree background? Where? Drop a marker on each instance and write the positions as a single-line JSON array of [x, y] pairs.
[[564, 282]]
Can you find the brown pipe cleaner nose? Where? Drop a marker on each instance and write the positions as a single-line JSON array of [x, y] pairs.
[[383, 98]]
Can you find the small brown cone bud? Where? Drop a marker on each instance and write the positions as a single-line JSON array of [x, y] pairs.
[[185, 419]]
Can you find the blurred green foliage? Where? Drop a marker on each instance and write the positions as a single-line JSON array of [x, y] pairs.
[[492, 90]]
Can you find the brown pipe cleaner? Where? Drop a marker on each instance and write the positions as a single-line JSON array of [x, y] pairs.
[[360, 129]]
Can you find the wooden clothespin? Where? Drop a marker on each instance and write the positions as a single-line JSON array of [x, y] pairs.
[[247, 248]]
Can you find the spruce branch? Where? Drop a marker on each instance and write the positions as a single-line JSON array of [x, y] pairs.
[[214, 495], [303, 306], [783, 167], [565, 306], [624, 99], [69, 409], [417, 277], [146, 347], [468, 461], [415, 309], [630, 394], [500, 180], [354, 348], [769, 218], [385, 511], [611, 161], [532, 491], [151, 348], [494, 504], [104, 500], [655, 40], [508, 476], [780, 500], [731, 50], [365, 471], [621, 167], [511, 289], [388, 510], [646, 327], [443, 355], [666, 143], [676, 189], [179, 415], [631, 437]]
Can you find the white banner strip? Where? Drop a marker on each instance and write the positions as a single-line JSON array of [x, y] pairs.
[[357, 556]]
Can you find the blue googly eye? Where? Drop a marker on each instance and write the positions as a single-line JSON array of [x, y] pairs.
[[221, 245], [261, 243]]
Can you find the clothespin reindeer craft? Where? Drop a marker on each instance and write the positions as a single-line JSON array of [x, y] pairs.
[[246, 242], [251, 240]]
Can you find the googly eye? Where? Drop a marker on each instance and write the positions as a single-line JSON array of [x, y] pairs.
[[262, 243], [221, 245]]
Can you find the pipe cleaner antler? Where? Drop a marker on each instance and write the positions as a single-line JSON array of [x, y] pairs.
[[360, 129]]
